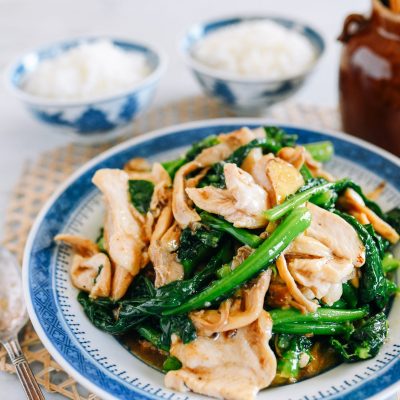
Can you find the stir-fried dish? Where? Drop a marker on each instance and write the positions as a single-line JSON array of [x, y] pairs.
[[243, 258]]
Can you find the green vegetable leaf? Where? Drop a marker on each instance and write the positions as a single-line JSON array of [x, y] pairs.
[[196, 246], [389, 263], [171, 364], [294, 224], [372, 283], [181, 325], [365, 341], [320, 151], [100, 241], [278, 138], [243, 235], [199, 146], [172, 166], [141, 192], [291, 348], [393, 218]]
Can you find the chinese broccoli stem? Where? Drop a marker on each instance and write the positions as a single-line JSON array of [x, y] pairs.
[[152, 336], [243, 235], [296, 200], [315, 328], [321, 315], [389, 263], [171, 364], [320, 151]]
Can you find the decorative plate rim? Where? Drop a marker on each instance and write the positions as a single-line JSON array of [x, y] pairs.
[[58, 356]]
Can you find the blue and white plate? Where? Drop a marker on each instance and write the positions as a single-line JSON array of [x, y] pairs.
[[99, 361]]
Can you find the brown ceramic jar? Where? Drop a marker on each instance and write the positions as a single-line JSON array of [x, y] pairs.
[[369, 78]]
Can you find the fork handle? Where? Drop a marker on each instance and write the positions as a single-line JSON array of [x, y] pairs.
[[24, 372]]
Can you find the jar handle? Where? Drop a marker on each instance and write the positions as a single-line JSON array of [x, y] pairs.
[[353, 24]]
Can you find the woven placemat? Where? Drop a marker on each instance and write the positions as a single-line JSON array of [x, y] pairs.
[[40, 178]]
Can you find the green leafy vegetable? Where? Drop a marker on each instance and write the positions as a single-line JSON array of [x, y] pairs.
[[296, 200], [278, 138], [182, 325], [381, 243], [215, 176], [389, 263], [171, 364], [100, 241], [306, 173], [199, 146], [313, 328], [282, 316], [320, 151], [391, 287], [172, 166], [143, 302], [393, 218], [141, 192], [243, 235], [294, 224], [275, 139], [152, 336], [291, 348], [197, 245], [372, 283], [350, 295], [365, 341]]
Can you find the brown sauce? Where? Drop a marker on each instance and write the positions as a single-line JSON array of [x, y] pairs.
[[323, 358], [144, 351]]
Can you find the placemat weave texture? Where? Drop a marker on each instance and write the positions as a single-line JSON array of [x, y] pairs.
[[41, 177]]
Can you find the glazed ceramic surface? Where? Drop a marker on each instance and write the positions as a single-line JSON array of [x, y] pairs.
[[247, 96], [88, 119], [98, 360]]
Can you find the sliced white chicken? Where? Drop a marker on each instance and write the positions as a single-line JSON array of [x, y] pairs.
[[137, 164], [229, 142], [183, 211], [337, 234], [324, 276], [295, 292], [236, 312], [164, 242], [123, 233], [251, 161], [240, 137], [307, 246], [162, 187], [92, 274], [233, 366], [80, 245], [354, 201], [242, 202], [256, 166]]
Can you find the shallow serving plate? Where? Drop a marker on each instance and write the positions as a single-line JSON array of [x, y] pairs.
[[99, 361]]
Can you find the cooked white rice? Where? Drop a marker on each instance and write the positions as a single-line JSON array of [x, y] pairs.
[[87, 71], [256, 49]]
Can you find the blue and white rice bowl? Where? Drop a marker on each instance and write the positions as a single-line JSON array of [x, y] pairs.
[[96, 119], [247, 96]]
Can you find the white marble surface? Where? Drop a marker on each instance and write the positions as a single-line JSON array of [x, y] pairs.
[[25, 24]]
